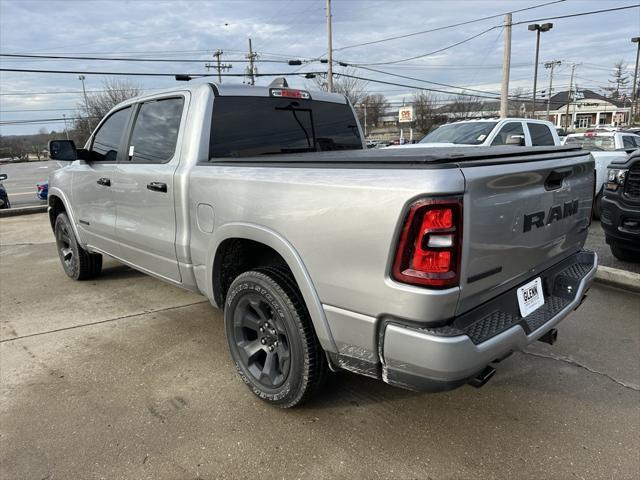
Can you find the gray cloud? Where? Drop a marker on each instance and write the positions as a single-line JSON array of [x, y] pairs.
[[295, 28]]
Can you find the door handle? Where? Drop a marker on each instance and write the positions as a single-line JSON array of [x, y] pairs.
[[106, 182], [556, 177], [157, 187]]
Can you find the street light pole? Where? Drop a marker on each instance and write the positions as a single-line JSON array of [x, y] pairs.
[[545, 27], [634, 94], [364, 105], [84, 92]]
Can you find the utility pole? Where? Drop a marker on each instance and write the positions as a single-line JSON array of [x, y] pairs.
[[251, 69], [329, 50], [634, 91], [219, 66], [552, 64], [506, 66], [569, 96]]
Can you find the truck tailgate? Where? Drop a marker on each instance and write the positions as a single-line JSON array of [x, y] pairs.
[[521, 217]]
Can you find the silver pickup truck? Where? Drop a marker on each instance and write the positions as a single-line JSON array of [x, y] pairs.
[[421, 268]]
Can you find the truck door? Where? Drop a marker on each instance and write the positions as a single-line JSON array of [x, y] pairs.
[[143, 188], [94, 207]]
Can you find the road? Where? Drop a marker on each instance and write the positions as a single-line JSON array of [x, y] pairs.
[[22, 179], [127, 377]]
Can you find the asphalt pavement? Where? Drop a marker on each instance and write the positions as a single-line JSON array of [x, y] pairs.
[[127, 377], [22, 179]]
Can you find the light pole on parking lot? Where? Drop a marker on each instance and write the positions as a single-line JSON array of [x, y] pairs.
[[536, 27], [364, 105]]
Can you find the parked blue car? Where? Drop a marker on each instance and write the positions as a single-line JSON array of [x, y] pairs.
[[42, 190]]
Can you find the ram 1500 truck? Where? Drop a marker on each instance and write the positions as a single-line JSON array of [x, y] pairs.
[[420, 267]]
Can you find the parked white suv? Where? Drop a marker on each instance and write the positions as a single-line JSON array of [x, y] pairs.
[[491, 132]]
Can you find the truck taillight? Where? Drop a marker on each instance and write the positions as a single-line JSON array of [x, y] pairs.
[[429, 247]]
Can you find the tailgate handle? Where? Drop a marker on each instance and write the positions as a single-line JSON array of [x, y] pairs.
[[555, 178]]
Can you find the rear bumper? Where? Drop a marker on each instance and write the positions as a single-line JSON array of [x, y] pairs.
[[444, 358]]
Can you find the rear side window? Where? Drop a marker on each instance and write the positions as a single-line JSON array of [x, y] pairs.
[[106, 140], [593, 143], [155, 131], [510, 134], [250, 126], [540, 134], [630, 141]]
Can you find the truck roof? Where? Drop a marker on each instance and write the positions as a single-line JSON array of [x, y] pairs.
[[237, 90]]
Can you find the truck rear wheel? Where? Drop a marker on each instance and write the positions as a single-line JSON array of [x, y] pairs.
[[77, 263], [271, 337]]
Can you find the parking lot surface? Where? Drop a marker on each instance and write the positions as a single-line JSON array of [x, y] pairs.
[[22, 179], [127, 377]]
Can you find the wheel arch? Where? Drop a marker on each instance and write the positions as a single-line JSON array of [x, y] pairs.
[[232, 243], [58, 203]]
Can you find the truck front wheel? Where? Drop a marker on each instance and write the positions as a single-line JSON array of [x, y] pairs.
[[271, 337], [625, 254], [77, 263]]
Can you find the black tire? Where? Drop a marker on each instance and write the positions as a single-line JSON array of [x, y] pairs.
[[77, 263], [624, 254], [597, 206], [283, 364]]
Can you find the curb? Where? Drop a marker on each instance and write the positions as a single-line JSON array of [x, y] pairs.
[[618, 278], [12, 212]]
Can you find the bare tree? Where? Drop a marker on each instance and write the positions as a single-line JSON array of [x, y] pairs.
[[424, 110], [352, 88], [618, 82], [376, 106], [114, 91], [463, 106], [516, 101]]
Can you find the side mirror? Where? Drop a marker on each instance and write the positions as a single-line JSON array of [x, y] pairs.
[[3, 176], [64, 150], [515, 140]]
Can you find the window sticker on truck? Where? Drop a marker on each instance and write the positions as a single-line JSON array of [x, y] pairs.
[[530, 297]]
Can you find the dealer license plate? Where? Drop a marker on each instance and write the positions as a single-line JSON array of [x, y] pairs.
[[530, 297]]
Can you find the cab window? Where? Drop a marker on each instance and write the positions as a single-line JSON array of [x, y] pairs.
[[155, 131], [540, 134], [106, 140], [510, 134]]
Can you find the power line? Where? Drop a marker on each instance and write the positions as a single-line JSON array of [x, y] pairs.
[[151, 74], [41, 120], [38, 110], [407, 35], [73, 92], [427, 81], [593, 12], [468, 39], [126, 59]]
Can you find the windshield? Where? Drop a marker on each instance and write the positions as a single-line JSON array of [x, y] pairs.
[[462, 133], [592, 143], [250, 126]]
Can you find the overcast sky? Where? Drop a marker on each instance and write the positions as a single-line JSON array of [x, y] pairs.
[[283, 29]]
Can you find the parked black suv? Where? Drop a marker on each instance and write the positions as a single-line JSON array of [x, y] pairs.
[[620, 216]]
